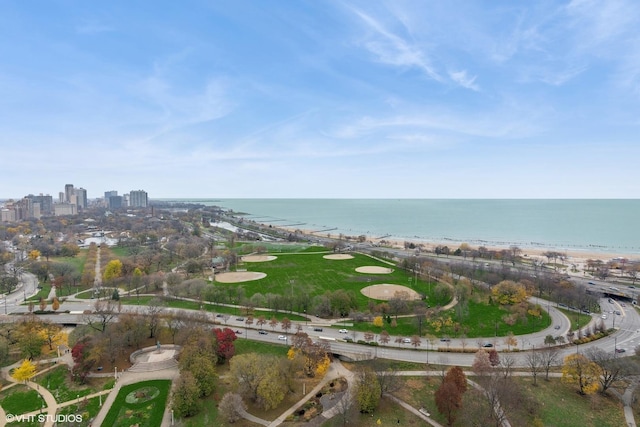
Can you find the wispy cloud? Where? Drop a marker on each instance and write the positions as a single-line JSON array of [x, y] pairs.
[[392, 49], [461, 78]]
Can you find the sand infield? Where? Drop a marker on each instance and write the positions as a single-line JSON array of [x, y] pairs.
[[387, 291], [258, 258], [338, 256], [372, 269], [239, 276]]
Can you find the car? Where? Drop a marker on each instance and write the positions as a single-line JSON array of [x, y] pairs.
[[591, 283], [237, 332], [445, 339], [282, 338], [218, 315], [631, 287], [487, 345], [262, 332], [604, 316], [343, 331], [347, 339], [240, 319], [620, 350], [406, 340], [317, 329], [618, 313], [556, 327]]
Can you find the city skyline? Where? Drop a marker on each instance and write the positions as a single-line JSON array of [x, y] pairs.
[[326, 99]]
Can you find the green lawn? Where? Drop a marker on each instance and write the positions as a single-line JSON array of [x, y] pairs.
[[311, 274], [143, 414], [479, 322], [87, 408], [20, 399], [212, 308], [42, 293], [245, 346], [578, 320], [57, 381], [562, 406]]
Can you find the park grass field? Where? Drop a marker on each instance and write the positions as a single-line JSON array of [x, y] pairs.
[[144, 414], [310, 273]]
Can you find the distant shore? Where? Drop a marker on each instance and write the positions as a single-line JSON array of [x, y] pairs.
[[574, 256]]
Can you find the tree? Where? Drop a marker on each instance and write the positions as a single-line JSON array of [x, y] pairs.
[[384, 337], [494, 358], [153, 312], [285, 324], [368, 390], [185, 397], [377, 321], [534, 362], [259, 378], [43, 304], [548, 358], [225, 348], [25, 371], [448, 396], [612, 368], [232, 407], [55, 305], [508, 292], [113, 270], [481, 363], [577, 369]]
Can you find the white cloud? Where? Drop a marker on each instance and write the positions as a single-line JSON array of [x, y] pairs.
[[461, 78]]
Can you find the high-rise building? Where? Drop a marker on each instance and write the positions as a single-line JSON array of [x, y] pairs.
[[81, 197], [46, 203], [108, 194], [138, 199], [115, 202], [68, 191]]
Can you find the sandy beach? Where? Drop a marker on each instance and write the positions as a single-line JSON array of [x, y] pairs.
[[574, 256]]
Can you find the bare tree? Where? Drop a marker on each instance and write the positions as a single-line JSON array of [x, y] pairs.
[[103, 313], [534, 362], [612, 368], [153, 312], [549, 357]]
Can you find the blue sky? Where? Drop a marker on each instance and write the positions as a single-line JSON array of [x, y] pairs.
[[397, 99]]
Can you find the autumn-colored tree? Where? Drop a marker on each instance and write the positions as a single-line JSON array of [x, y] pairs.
[[510, 340], [494, 358], [508, 292], [273, 323], [113, 270], [43, 304], [384, 337], [225, 348], [448, 397], [285, 324], [25, 371], [55, 304], [34, 255], [481, 363], [259, 378], [378, 321], [577, 369]]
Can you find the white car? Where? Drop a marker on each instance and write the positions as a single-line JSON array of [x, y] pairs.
[[604, 316], [407, 340], [343, 331], [282, 337]]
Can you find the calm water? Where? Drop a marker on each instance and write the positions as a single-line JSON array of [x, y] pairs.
[[590, 225]]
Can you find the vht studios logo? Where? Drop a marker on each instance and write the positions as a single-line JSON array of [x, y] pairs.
[[41, 418]]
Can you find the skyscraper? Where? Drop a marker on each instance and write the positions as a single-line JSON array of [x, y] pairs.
[[68, 191], [81, 197], [138, 199]]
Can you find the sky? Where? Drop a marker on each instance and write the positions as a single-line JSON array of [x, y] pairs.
[[321, 98]]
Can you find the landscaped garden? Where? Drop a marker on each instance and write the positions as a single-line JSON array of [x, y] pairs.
[[141, 404]]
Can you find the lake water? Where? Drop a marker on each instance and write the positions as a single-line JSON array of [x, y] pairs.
[[587, 225]]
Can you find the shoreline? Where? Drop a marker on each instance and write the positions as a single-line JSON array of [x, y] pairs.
[[574, 256]]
